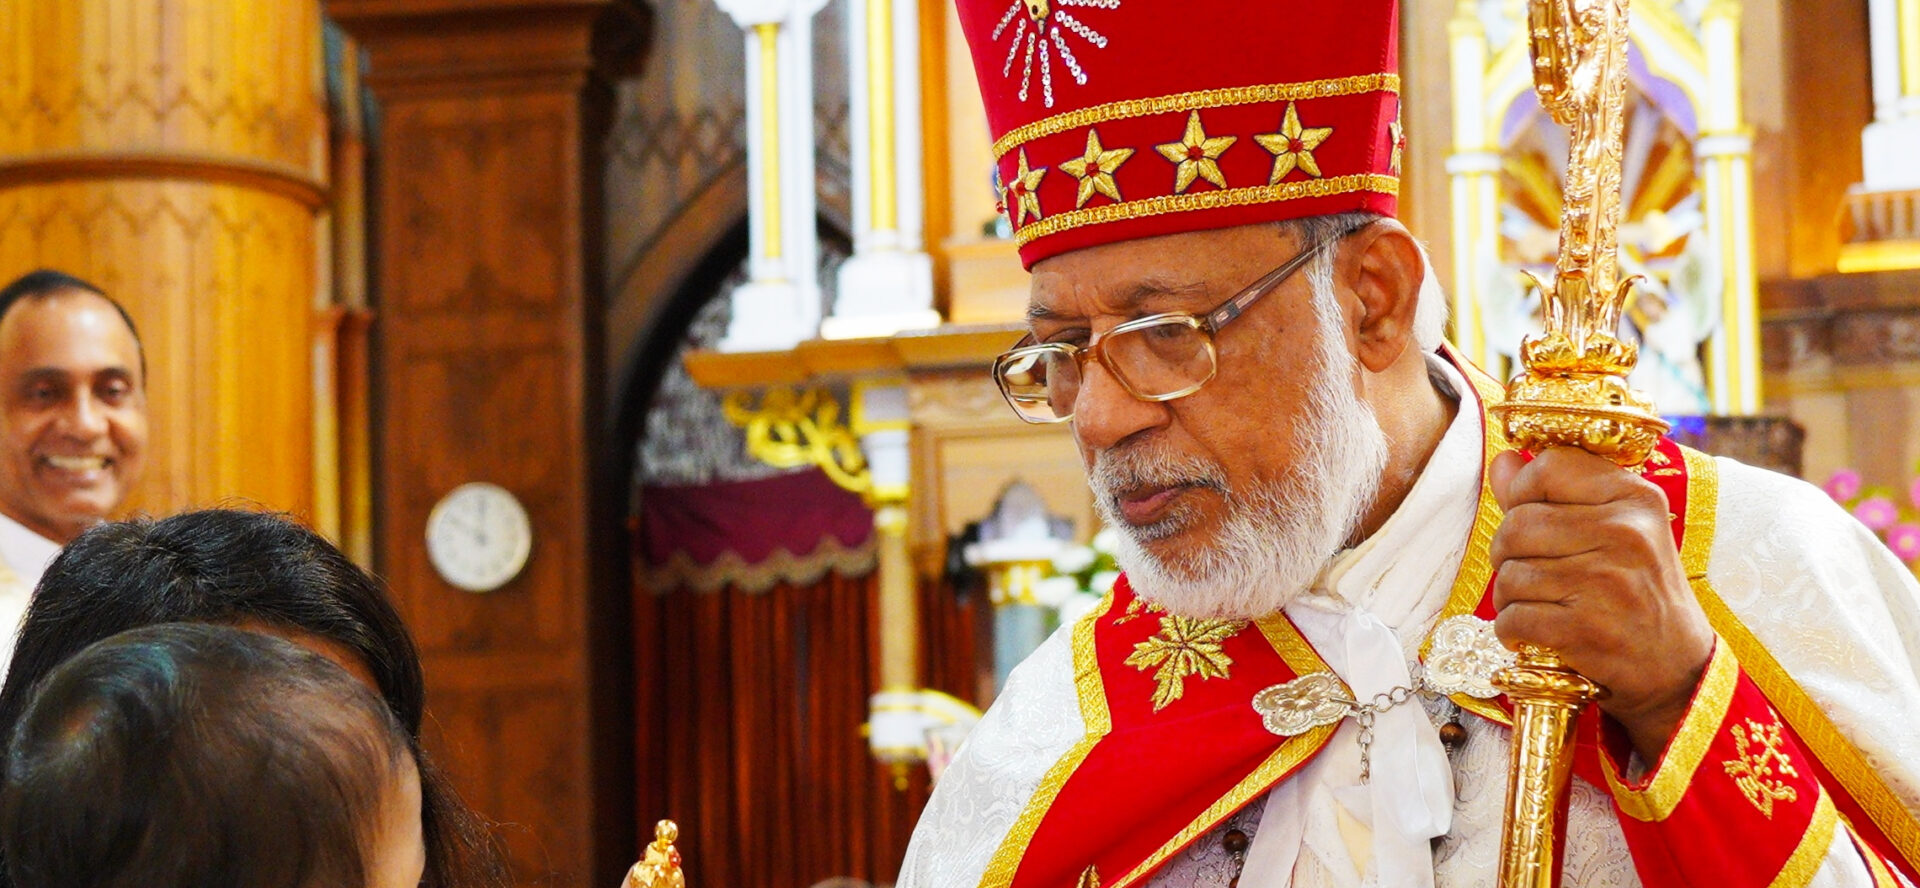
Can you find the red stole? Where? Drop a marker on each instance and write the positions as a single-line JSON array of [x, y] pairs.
[[1174, 747]]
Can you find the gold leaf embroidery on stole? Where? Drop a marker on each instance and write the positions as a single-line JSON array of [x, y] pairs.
[[1184, 648]]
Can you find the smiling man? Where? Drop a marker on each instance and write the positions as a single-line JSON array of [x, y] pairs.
[[73, 423], [1329, 547]]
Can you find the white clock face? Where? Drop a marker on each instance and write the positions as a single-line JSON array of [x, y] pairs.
[[478, 537]]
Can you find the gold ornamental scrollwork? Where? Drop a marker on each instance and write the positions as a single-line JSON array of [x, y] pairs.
[[790, 428], [1573, 389]]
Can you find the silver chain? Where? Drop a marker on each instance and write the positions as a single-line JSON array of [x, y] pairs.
[[1364, 714]]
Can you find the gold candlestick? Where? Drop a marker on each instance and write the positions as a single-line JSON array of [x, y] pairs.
[[1573, 391]]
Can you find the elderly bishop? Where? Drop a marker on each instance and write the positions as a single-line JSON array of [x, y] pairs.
[[1329, 548]]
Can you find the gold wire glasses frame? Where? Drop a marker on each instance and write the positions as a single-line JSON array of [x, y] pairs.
[[1160, 357]]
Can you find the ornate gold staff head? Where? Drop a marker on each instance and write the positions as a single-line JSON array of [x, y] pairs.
[[1573, 389]]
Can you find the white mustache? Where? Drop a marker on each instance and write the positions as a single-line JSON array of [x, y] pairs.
[[1117, 470]]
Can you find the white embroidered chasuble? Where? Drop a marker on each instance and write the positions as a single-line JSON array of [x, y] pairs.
[[1825, 597]]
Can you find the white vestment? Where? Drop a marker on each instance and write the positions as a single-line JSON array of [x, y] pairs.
[[1818, 589], [24, 556]]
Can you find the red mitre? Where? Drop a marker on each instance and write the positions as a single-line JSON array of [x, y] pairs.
[[1120, 119]]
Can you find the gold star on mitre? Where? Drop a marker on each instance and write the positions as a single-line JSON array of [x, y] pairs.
[[1024, 191], [1196, 155], [1095, 169], [1293, 146], [1399, 136]]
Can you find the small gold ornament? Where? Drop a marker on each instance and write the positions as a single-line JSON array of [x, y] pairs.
[[1024, 189], [1292, 147], [1398, 134], [1195, 156], [1095, 169], [659, 866]]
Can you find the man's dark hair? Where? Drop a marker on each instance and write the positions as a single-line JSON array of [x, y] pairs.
[[190, 754], [247, 568], [47, 282]]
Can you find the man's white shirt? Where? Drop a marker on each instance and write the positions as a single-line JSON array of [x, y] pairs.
[[26, 555], [1817, 588]]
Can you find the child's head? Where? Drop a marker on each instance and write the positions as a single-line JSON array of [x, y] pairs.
[[181, 754]]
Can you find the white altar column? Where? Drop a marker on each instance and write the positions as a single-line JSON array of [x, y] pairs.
[[886, 286], [1885, 207], [779, 306], [1891, 161], [1725, 153], [1474, 170], [896, 726]]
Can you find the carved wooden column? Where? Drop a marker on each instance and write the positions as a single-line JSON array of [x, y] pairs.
[[488, 344], [173, 152]]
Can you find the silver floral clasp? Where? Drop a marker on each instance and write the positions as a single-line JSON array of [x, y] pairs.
[[1305, 703], [1465, 655]]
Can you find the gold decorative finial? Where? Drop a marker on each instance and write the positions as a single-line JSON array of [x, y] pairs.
[[659, 866], [1573, 391]]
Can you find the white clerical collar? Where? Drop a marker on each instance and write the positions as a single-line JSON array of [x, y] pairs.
[[28, 553], [1394, 572]]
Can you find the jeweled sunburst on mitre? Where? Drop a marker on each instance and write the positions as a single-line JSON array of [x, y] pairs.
[[1037, 27]]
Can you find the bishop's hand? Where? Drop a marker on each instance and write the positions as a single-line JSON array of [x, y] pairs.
[[1587, 566]]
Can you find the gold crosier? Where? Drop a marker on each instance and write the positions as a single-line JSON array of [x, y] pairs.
[[1572, 391]]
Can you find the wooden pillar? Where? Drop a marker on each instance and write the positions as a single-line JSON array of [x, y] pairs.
[[488, 345], [173, 152]]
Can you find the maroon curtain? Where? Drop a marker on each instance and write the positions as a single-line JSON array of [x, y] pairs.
[[751, 707]]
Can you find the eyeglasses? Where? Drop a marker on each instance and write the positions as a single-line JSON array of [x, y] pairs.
[[1160, 357]]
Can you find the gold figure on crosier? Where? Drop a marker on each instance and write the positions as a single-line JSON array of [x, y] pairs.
[[1573, 389], [660, 865]]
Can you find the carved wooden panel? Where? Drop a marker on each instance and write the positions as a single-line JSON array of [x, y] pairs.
[[488, 368]]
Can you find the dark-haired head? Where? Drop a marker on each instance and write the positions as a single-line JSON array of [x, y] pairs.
[[259, 571], [190, 754], [45, 282]]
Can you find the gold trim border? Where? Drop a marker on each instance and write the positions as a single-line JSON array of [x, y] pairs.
[[1811, 853], [1673, 776], [1476, 568], [1816, 732], [1194, 101], [1207, 200], [1005, 863]]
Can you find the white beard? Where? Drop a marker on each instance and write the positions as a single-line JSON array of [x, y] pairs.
[[1277, 537]]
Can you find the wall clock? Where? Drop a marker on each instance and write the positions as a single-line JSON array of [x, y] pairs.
[[478, 537]]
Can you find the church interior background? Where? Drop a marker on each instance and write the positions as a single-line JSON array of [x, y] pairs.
[[710, 287]]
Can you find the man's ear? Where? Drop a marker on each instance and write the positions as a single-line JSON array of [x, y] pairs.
[[1384, 273]]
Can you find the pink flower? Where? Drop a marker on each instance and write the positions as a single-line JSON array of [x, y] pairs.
[[1877, 512], [1844, 484], [1913, 492], [1904, 540]]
